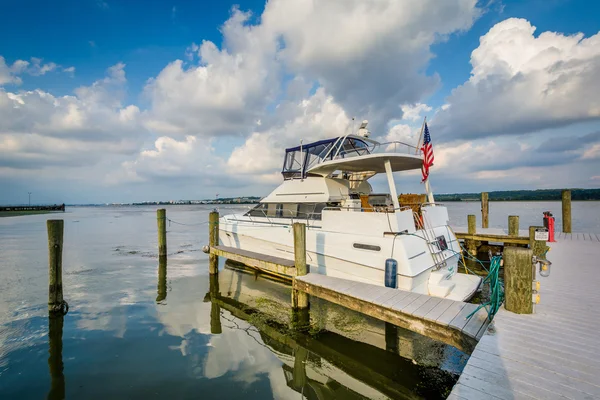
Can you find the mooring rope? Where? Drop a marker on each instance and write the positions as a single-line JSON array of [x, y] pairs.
[[496, 289], [181, 223], [60, 308]]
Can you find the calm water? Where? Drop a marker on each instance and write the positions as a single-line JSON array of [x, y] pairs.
[[132, 333], [585, 215]]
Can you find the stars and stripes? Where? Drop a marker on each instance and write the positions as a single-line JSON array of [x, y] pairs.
[[427, 150]]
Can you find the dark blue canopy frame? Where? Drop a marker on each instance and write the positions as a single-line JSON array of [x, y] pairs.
[[295, 165], [311, 145]]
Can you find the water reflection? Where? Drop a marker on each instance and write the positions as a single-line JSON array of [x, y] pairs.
[[162, 279], [342, 354], [55, 360]]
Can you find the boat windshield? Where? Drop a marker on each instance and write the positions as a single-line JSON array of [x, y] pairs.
[[300, 158]]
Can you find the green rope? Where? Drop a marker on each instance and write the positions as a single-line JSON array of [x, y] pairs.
[[496, 289]]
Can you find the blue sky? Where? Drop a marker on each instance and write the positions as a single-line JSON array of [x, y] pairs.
[[108, 105]]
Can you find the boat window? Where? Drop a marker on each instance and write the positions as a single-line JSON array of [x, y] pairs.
[[290, 210], [354, 147], [259, 211], [311, 211]]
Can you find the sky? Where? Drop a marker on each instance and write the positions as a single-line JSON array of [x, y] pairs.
[[108, 101]]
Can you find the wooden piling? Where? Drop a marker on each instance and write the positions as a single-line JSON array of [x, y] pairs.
[[55, 248], [215, 309], [161, 219], [300, 299], [471, 244], [55, 358], [485, 210], [566, 211], [213, 240], [537, 246], [518, 280], [513, 225], [472, 227], [391, 338], [162, 279], [299, 373]]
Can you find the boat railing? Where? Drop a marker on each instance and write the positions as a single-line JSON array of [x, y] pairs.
[[293, 215], [375, 208], [395, 147]]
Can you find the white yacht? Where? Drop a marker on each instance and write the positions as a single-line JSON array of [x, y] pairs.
[[353, 233]]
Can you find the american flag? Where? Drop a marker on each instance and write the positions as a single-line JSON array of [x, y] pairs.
[[427, 150]]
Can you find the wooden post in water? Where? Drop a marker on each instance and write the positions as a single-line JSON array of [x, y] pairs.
[[485, 210], [566, 211], [55, 249], [518, 280], [213, 240], [299, 373], [537, 246], [161, 219], [215, 309], [513, 225], [472, 221], [299, 298], [391, 338], [55, 359], [162, 279], [471, 244]]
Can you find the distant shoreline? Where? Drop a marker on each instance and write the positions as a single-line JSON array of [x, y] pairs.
[[6, 214]]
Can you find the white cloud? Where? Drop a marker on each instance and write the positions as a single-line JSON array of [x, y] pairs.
[[414, 112], [35, 67], [38, 129], [316, 117], [592, 152], [370, 55], [171, 158], [8, 74], [521, 83], [225, 92]]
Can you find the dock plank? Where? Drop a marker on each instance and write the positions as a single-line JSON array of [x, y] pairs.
[[439, 309], [418, 302], [428, 306], [390, 302], [460, 320], [450, 313], [476, 322]]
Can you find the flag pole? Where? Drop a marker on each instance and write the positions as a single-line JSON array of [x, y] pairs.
[[430, 198], [421, 135]]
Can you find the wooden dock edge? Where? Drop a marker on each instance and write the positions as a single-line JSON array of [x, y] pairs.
[[445, 334], [483, 237], [273, 265]]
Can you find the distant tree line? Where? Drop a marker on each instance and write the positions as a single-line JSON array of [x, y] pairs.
[[524, 195]]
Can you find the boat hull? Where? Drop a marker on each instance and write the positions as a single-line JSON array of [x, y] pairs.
[[334, 254]]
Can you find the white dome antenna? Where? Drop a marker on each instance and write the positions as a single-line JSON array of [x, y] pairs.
[[362, 130]]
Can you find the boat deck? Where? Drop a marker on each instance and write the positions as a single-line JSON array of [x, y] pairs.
[[264, 262], [439, 318], [553, 353]]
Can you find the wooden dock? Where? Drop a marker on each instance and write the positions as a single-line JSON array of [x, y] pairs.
[[442, 319], [496, 235], [553, 353], [269, 264]]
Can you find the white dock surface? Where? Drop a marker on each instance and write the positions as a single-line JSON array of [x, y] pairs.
[[554, 353]]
